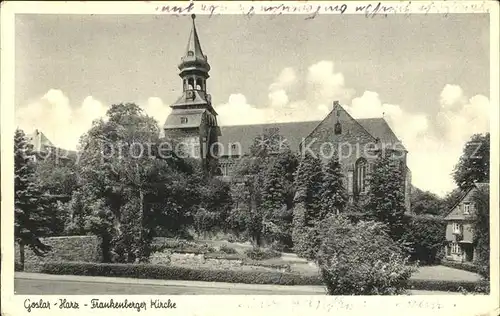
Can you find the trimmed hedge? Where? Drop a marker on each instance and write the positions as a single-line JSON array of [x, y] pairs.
[[460, 266], [162, 272], [441, 285], [262, 254], [148, 271]]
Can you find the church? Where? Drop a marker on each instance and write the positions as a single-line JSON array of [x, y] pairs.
[[193, 122]]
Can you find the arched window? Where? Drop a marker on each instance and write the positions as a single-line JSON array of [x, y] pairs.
[[199, 84], [361, 171], [190, 84]]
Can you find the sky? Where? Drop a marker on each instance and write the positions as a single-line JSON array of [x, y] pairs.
[[427, 75]]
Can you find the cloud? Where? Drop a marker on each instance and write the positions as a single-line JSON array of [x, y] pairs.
[[434, 146], [407, 126], [434, 149], [237, 111], [286, 79], [57, 119], [63, 123], [325, 85], [451, 95], [155, 108]]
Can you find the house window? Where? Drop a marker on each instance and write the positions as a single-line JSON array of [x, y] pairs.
[[456, 228], [184, 120], [466, 208], [455, 248]]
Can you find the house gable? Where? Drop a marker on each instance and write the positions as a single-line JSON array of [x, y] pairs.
[[457, 211], [352, 137]]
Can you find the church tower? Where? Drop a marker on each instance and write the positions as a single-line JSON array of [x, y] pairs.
[[193, 120]]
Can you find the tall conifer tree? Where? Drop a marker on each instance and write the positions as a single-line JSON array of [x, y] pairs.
[[31, 220], [386, 197], [334, 195]]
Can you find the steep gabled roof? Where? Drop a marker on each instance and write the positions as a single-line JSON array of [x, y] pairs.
[[39, 141], [454, 212], [245, 135], [295, 132], [379, 128]]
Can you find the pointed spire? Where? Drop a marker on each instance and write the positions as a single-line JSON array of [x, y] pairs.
[[194, 42], [193, 49]]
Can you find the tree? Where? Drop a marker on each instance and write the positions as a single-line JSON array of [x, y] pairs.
[[481, 227], [140, 185], [474, 164], [215, 205], [264, 194], [385, 197], [277, 199], [31, 220], [425, 202], [307, 209], [248, 215], [57, 177], [333, 194], [450, 200], [361, 259], [425, 236]]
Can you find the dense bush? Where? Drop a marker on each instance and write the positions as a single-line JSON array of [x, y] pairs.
[[461, 266], [149, 271], [305, 237], [445, 286], [262, 253], [426, 238], [361, 259]]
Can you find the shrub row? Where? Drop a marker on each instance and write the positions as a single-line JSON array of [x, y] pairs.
[[182, 246], [148, 271], [262, 253], [460, 266], [245, 260], [441, 285]]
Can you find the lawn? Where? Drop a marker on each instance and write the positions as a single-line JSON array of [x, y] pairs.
[[302, 266], [445, 274]]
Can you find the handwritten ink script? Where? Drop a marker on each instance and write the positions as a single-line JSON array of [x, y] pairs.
[[311, 10], [62, 303]]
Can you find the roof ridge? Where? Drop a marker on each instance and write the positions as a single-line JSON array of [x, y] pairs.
[[256, 124]]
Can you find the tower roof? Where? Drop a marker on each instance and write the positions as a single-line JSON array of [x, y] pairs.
[[194, 57]]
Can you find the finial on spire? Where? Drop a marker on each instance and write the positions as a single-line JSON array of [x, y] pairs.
[[193, 16]]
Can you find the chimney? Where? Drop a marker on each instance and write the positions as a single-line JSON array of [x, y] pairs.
[[336, 103]]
